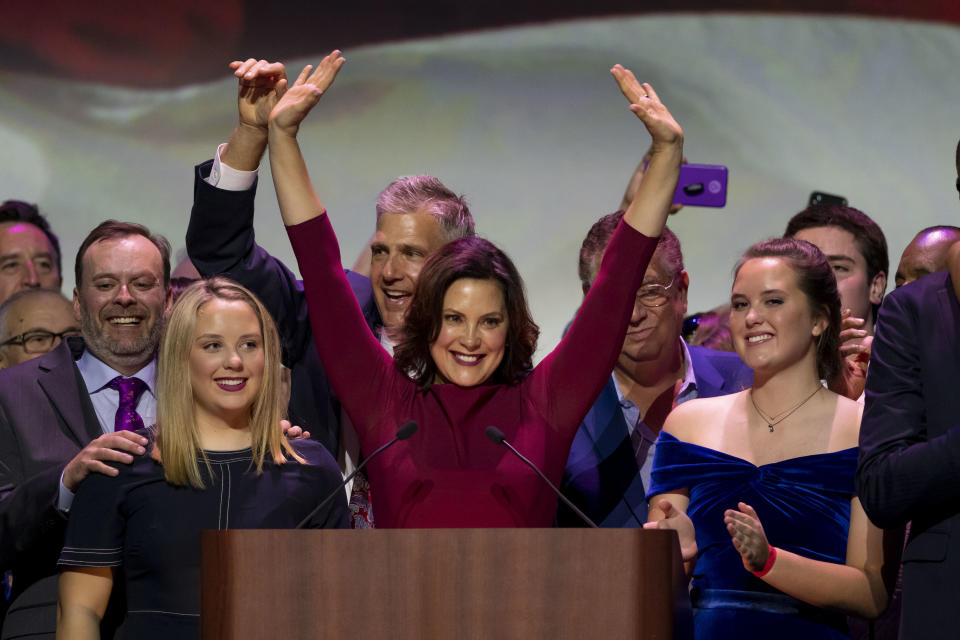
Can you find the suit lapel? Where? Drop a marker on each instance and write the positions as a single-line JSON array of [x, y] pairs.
[[61, 382]]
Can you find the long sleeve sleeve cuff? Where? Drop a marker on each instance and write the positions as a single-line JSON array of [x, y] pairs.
[[64, 497], [223, 176]]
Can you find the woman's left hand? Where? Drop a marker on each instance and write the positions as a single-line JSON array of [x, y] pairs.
[[747, 535], [645, 103], [297, 101]]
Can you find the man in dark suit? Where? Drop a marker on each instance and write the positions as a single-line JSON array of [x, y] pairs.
[[910, 446], [415, 216], [60, 413], [608, 469]]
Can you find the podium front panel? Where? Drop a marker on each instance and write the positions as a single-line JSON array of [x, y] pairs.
[[443, 583]]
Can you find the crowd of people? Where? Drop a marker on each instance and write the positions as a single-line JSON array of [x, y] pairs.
[[817, 421]]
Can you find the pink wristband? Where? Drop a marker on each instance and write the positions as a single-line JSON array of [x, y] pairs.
[[771, 558]]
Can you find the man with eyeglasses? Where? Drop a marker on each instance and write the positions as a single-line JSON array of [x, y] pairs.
[[608, 469], [32, 322], [67, 413]]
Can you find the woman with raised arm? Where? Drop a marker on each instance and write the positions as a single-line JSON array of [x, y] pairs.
[[216, 459], [464, 360], [780, 543]]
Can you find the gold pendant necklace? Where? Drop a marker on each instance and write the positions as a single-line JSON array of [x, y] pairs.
[[780, 417]]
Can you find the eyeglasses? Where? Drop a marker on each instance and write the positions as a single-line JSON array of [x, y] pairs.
[[655, 295], [39, 340]]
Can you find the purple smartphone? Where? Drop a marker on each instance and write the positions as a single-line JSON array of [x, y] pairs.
[[702, 185]]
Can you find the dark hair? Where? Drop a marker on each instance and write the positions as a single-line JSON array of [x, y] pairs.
[[867, 234], [713, 331], [110, 229], [179, 285], [17, 211], [465, 258], [815, 278], [667, 251], [426, 194]]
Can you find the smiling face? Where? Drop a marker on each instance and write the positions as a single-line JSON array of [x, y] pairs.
[[857, 291], [26, 259], [654, 332], [771, 321], [473, 333], [401, 245], [121, 301], [226, 362]]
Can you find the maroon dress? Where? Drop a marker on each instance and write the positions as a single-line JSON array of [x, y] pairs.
[[449, 474]]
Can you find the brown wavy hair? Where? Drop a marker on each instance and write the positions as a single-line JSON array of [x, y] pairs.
[[478, 259]]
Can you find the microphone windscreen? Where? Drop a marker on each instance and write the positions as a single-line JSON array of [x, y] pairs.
[[496, 435], [407, 430]]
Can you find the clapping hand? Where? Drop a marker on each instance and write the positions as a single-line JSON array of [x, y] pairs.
[[680, 522], [294, 105], [645, 103], [747, 535]]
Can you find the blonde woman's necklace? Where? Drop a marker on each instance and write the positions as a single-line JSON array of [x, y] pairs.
[[773, 421]]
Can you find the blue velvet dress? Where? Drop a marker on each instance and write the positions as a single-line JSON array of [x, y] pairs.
[[804, 505]]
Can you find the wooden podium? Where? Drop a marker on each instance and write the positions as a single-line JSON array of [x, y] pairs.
[[443, 583]]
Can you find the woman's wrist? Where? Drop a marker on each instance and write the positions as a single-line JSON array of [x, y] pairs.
[[276, 131], [768, 565]]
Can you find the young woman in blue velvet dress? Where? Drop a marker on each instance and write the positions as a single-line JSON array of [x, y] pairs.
[[759, 484]]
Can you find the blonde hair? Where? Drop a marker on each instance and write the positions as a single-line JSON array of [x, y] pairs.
[[176, 432]]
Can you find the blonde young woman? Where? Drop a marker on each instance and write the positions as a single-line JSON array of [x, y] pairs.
[[217, 459], [760, 484]]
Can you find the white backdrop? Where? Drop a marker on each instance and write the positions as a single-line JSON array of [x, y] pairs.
[[530, 126]]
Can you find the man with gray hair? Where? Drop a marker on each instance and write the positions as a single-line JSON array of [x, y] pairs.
[[415, 217], [608, 470]]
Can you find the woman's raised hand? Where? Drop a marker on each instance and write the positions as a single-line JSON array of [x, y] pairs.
[[294, 105], [645, 103], [680, 522], [747, 535]]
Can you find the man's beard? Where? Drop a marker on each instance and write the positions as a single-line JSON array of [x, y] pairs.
[[130, 349]]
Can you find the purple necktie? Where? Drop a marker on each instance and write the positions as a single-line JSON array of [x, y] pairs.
[[130, 390]]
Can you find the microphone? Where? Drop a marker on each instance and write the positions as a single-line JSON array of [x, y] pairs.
[[408, 429], [498, 437]]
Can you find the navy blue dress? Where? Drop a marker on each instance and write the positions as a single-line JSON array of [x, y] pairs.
[[151, 529], [804, 506]]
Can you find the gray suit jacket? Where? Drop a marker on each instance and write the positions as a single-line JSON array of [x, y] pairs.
[[46, 418]]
